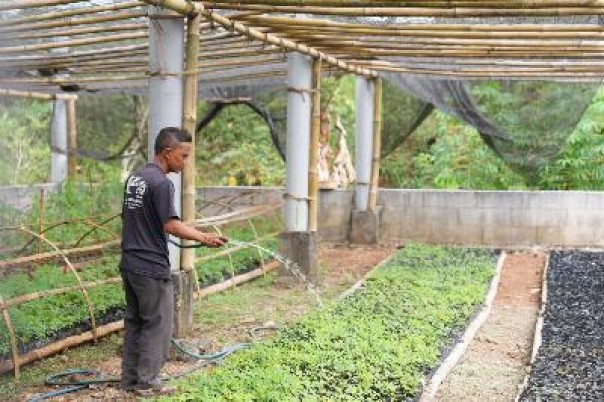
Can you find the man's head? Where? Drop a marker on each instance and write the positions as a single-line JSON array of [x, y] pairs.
[[172, 148]]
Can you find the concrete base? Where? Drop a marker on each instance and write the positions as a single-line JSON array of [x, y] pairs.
[[301, 248], [365, 226], [184, 287]]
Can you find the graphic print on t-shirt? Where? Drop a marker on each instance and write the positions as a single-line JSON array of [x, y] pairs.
[[135, 189]]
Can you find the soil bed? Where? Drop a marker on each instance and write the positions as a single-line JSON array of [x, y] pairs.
[[570, 361]]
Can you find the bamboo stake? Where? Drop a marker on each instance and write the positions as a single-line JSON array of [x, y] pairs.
[[72, 138], [313, 173], [377, 144], [41, 219], [189, 123], [13, 342]]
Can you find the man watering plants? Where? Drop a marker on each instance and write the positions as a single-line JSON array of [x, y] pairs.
[[148, 216]]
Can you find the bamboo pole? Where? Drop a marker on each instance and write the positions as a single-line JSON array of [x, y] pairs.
[[13, 341], [76, 31], [72, 138], [70, 13], [248, 276], [72, 22], [36, 95], [18, 300], [74, 42], [189, 123], [452, 12], [377, 144], [313, 172], [22, 4], [419, 3]]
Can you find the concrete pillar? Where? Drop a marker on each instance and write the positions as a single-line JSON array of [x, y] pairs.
[[364, 141], [299, 104], [166, 64], [364, 223], [297, 243], [58, 142]]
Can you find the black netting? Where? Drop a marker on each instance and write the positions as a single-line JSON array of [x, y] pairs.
[[525, 123]]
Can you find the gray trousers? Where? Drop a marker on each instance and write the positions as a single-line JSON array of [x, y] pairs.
[[148, 329]]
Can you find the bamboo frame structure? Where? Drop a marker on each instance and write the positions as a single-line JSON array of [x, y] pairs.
[[187, 258], [377, 145], [72, 144], [315, 127]]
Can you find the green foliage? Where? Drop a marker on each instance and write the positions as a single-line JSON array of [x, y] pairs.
[[581, 164], [237, 142], [376, 345], [447, 154], [24, 141], [43, 318]]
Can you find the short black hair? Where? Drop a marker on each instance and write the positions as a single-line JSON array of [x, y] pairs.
[[169, 137]]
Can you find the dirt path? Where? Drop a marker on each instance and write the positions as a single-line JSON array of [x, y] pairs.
[[498, 358]]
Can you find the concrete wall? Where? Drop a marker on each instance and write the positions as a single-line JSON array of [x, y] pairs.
[[497, 218]]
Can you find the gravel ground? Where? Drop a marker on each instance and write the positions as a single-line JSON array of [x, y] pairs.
[[570, 362]]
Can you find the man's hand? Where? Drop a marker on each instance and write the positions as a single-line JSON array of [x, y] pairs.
[[213, 240]]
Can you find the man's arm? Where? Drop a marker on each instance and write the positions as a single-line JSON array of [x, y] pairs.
[[176, 228]]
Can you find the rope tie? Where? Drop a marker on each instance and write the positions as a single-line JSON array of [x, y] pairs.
[[295, 197]]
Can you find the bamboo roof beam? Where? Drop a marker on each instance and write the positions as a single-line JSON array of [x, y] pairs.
[[70, 13], [329, 40], [76, 32], [186, 8], [266, 20], [419, 3], [452, 12], [22, 4], [74, 43], [302, 32], [73, 22]]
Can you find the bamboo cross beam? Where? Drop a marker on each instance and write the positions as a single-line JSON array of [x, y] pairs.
[[70, 13], [187, 8], [73, 22], [452, 12], [22, 4], [36, 95], [74, 42], [75, 32], [419, 3]]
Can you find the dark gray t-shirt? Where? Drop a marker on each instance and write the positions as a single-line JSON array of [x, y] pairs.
[[148, 204]]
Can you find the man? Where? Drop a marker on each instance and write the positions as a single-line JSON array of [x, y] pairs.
[[148, 215]]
